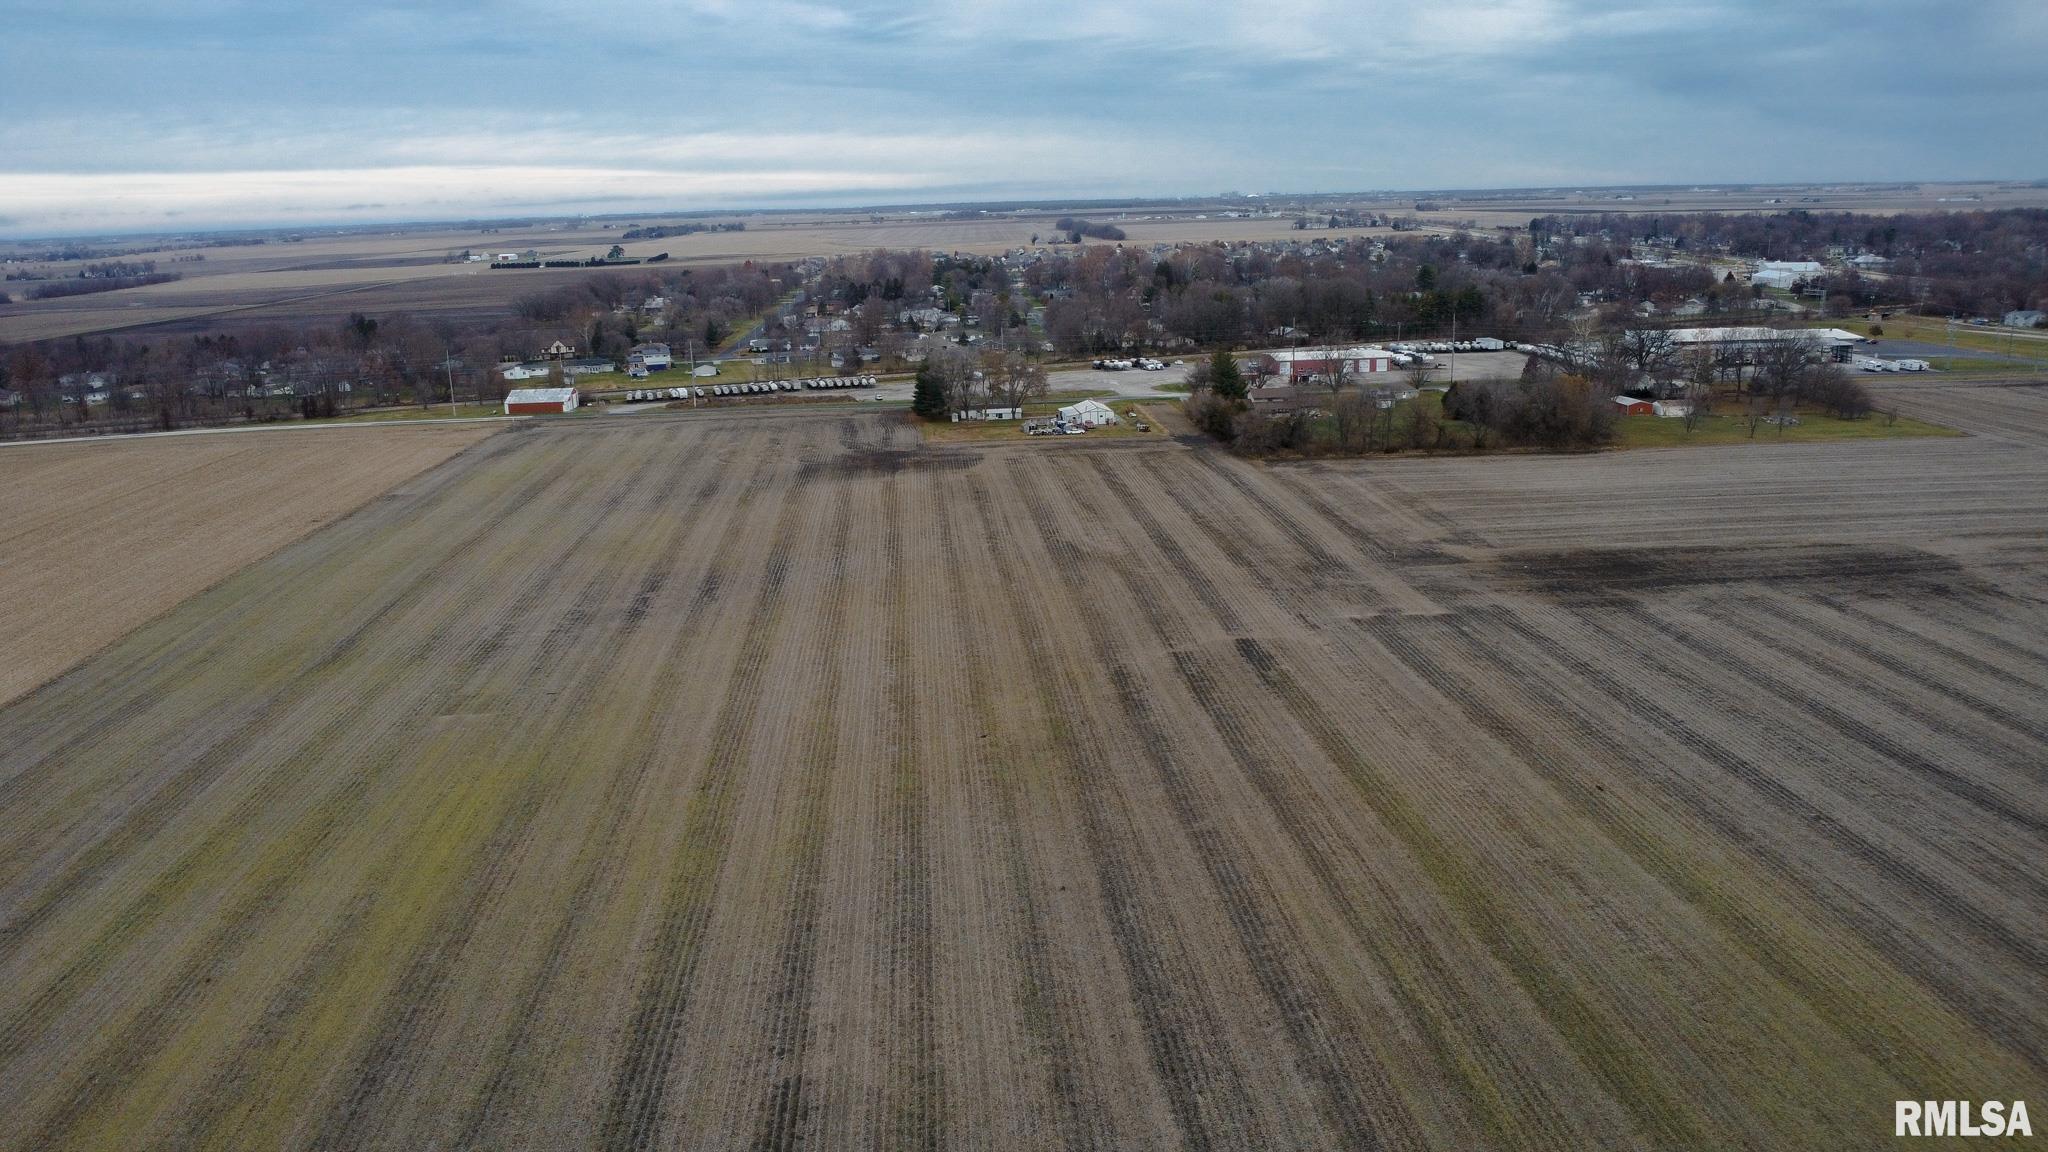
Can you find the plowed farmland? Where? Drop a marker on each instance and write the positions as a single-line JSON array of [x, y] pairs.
[[101, 536], [771, 780]]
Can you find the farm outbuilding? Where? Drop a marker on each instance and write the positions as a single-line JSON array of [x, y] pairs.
[[1297, 363], [1634, 406], [1088, 414], [539, 401]]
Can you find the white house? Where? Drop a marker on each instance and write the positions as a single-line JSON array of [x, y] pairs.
[[1671, 408], [523, 371], [1088, 414], [2023, 318], [655, 356], [988, 414]]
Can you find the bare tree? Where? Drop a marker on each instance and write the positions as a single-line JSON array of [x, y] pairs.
[[1650, 353], [1013, 379], [1701, 371]]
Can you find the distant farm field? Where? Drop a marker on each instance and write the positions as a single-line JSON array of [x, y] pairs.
[[768, 779], [102, 535]]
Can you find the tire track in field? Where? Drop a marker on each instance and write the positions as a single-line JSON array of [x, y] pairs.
[[91, 686], [1949, 652], [633, 1110], [1950, 618], [162, 805], [1847, 727], [1577, 1020], [602, 863], [219, 1102], [1358, 1100], [1322, 562], [919, 1106], [141, 912], [145, 1038], [202, 640], [1194, 576], [1182, 1034], [780, 1117], [160, 1024], [388, 1064], [1424, 552], [1964, 699], [1234, 548], [1047, 1016], [1507, 1122], [1881, 1037], [1903, 876]]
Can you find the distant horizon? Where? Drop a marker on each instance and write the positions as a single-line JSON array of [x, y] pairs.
[[128, 117], [993, 203]]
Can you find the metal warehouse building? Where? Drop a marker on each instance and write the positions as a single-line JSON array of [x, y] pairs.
[[1296, 363], [528, 401]]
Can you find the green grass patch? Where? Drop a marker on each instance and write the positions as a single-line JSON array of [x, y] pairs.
[[433, 412], [1723, 428], [1968, 366], [2027, 344]]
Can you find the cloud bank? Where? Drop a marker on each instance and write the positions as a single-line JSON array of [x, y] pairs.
[[125, 115]]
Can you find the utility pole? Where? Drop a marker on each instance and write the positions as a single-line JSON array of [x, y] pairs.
[[1454, 343], [448, 364]]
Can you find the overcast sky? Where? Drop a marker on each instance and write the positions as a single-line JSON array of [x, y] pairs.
[[174, 114]]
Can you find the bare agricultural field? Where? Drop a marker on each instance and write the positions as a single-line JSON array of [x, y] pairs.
[[102, 535], [763, 779], [2010, 410]]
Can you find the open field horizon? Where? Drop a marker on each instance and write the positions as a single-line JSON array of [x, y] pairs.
[[403, 268], [768, 778]]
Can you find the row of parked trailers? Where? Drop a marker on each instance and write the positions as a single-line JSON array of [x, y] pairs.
[[757, 388]]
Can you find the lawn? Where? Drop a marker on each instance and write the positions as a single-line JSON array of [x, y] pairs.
[[1980, 338], [432, 412], [1813, 427]]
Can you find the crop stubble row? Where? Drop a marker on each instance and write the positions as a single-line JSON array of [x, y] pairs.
[[703, 782]]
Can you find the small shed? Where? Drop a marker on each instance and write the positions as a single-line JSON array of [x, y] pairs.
[[537, 401], [1671, 409], [1634, 406]]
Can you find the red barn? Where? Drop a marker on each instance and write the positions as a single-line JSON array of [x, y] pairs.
[[1633, 406]]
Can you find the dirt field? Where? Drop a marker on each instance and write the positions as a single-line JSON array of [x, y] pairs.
[[101, 536], [766, 779]]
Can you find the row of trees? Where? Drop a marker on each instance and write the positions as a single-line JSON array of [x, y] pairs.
[[1967, 263], [957, 380], [1561, 403]]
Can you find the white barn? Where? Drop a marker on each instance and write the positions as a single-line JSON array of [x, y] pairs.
[[1088, 414], [538, 401]]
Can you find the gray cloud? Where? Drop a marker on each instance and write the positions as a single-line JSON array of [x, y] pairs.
[[713, 102]]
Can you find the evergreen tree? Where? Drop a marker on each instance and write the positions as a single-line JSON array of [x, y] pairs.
[[928, 399], [1225, 377]]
